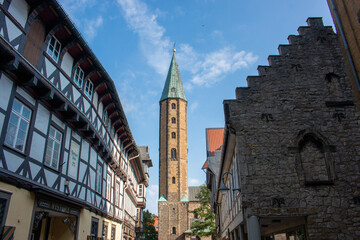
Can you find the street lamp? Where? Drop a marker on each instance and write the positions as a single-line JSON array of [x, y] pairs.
[[223, 188]]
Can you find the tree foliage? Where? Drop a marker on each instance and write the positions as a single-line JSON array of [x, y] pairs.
[[204, 225], [149, 231]]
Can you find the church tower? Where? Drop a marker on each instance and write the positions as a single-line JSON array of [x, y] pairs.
[[173, 162]]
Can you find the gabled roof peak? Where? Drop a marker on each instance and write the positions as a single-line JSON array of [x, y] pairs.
[[173, 86]]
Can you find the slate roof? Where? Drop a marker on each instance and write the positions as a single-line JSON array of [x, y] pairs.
[[173, 86]]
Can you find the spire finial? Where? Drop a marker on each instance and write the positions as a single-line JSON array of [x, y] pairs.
[[174, 50]]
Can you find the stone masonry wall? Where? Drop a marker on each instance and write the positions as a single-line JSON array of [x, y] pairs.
[[297, 135]]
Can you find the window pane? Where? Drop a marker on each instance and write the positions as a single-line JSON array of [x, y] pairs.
[[17, 106], [26, 113]]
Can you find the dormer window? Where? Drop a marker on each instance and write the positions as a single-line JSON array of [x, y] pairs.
[[88, 89], [54, 48], [79, 77]]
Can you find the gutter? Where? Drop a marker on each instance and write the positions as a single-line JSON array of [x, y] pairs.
[[337, 19]]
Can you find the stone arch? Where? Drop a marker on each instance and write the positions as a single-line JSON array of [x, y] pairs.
[[314, 160]]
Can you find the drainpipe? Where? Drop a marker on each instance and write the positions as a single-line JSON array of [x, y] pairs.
[[337, 19]]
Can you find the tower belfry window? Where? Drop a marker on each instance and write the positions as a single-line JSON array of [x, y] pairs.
[[173, 180], [173, 106], [173, 120], [173, 153], [173, 135]]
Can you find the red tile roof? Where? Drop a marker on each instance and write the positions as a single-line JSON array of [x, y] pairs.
[[214, 139]]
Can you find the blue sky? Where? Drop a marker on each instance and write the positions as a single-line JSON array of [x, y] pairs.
[[218, 42]]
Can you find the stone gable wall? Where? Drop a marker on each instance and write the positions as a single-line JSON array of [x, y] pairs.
[[297, 135]]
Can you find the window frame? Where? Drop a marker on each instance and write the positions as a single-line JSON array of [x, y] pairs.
[[173, 106], [113, 232], [88, 88], [52, 53], [6, 196], [108, 186], [96, 231], [98, 182], [52, 147], [173, 120], [78, 80], [173, 135], [141, 190], [17, 129], [117, 193]]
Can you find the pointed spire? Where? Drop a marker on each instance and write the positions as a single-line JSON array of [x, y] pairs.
[[173, 86]]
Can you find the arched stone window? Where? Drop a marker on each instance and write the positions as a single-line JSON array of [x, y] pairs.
[[173, 153], [314, 159], [174, 230], [173, 180], [173, 135], [173, 106], [173, 120]]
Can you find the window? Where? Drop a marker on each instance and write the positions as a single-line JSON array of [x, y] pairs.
[[173, 135], [174, 230], [108, 187], [173, 120], [79, 77], [54, 48], [137, 214], [53, 146], [173, 153], [105, 230], [113, 232], [117, 193], [105, 119], [140, 190], [173, 180], [173, 106], [98, 178], [18, 126], [88, 90], [94, 227], [4, 206]]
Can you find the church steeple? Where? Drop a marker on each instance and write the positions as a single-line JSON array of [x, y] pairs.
[[173, 86]]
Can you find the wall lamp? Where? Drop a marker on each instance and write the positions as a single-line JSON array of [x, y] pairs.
[[223, 188]]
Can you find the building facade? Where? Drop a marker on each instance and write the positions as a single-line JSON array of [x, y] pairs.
[[176, 198], [346, 16], [291, 143], [69, 165]]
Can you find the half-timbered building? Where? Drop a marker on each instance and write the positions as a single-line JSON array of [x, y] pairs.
[[69, 165]]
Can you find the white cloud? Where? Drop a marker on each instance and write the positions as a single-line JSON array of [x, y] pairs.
[[216, 64], [193, 106], [206, 69], [91, 28], [194, 182], [153, 43]]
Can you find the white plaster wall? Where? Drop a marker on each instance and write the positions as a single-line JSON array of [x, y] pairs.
[[19, 9], [5, 91], [67, 63], [42, 119], [85, 150], [25, 95], [58, 121], [37, 147]]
